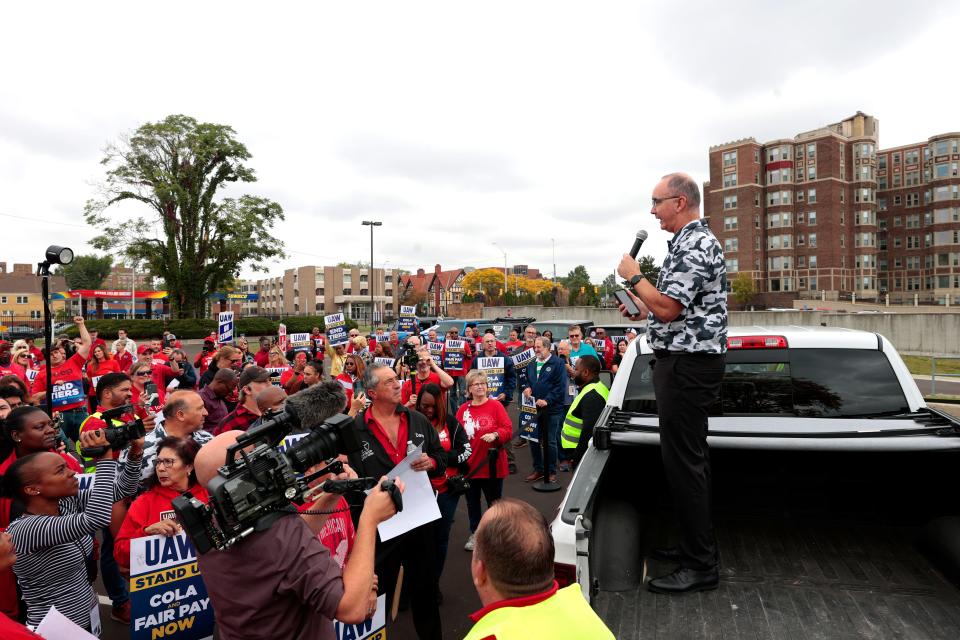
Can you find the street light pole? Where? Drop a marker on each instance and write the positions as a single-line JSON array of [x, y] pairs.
[[371, 224], [553, 244], [506, 287]]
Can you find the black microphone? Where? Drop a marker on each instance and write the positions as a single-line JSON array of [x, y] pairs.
[[641, 236]]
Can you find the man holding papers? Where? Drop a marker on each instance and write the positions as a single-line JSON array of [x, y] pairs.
[[388, 431]]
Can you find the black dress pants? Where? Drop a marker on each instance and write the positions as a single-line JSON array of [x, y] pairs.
[[685, 386], [416, 551]]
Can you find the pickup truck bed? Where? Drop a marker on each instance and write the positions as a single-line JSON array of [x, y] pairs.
[[784, 580], [811, 546]]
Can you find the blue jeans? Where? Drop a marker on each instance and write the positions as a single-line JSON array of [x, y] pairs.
[[457, 394], [448, 507], [492, 489], [112, 580], [552, 421]]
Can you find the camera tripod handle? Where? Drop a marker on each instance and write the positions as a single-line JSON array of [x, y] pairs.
[[389, 486]]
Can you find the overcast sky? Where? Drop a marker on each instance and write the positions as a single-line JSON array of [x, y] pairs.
[[458, 125]]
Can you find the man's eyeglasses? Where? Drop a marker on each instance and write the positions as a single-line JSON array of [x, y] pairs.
[[144, 374], [166, 462], [574, 335], [656, 202]]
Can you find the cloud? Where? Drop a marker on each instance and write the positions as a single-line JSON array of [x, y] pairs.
[[471, 170], [601, 213], [740, 46], [58, 141], [361, 203]]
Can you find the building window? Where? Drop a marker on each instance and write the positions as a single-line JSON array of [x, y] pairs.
[[730, 158], [897, 201], [812, 239], [730, 223], [730, 202], [35, 314], [347, 292], [730, 179], [813, 261], [811, 196], [812, 172], [913, 178], [881, 204], [733, 265], [812, 150], [22, 299], [911, 157], [730, 245], [812, 218]]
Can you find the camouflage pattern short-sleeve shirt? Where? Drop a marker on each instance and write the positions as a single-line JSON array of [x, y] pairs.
[[695, 275]]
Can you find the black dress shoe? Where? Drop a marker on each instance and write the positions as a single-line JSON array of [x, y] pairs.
[[666, 554], [685, 580]]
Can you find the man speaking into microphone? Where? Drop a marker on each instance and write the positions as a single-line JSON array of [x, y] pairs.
[[687, 329]]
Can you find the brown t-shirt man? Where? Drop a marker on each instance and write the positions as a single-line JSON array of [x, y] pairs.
[[278, 583]]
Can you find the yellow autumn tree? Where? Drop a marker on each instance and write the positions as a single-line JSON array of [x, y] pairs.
[[483, 281]]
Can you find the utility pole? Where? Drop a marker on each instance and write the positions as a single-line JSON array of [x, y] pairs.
[[371, 224], [506, 287]]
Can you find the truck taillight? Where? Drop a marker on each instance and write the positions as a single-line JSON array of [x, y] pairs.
[[565, 574], [757, 342]]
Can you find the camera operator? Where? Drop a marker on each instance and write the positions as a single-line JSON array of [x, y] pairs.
[[113, 391], [282, 582], [387, 430], [427, 373], [53, 538]]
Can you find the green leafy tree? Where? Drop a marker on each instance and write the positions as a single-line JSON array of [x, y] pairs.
[[742, 288], [176, 168], [581, 291], [86, 272], [649, 269]]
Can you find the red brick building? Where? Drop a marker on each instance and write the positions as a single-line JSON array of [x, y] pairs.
[[825, 215]]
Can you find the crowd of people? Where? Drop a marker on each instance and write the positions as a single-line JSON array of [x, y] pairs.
[[64, 536]]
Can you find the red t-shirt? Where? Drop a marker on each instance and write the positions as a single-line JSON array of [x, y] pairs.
[[156, 408], [440, 484], [479, 420], [97, 370], [16, 370], [67, 383], [407, 390], [124, 360], [511, 345], [346, 381], [10, 630], [337, 533]]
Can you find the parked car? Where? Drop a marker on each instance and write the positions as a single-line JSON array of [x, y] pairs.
[[20, 332], [828, 469], [558, 327]]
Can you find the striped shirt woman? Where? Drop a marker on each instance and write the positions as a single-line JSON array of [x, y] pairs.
[[54, 537]]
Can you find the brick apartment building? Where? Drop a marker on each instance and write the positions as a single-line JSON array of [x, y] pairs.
[[825, 215], [312, 290]]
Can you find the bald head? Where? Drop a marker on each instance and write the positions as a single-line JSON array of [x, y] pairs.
[[269, 398], [213, 455], [514, 545]]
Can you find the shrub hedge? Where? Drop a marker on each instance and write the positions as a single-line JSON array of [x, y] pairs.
[[201, 328]]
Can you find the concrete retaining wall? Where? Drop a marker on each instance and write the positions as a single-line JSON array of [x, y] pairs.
[[910, 333]]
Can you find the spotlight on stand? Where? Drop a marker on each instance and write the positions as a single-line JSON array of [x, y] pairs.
[[54, 255], [59, 255]]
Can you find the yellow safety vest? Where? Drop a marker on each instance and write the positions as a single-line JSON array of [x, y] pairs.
[[565, 614], [572, 425]]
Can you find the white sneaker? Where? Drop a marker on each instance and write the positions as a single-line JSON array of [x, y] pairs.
[[469, 545]]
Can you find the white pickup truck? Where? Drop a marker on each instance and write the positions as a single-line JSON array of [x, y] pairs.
[[835, 498]]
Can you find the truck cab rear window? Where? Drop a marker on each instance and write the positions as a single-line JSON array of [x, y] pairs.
[[798, 382]]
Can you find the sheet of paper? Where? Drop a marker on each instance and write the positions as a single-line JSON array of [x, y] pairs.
[[56, 626], [419, 503]]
